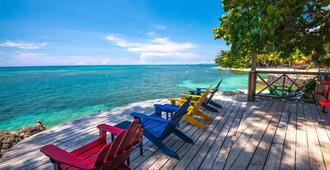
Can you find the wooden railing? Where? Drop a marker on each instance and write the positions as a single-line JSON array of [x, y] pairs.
[[284, 86]]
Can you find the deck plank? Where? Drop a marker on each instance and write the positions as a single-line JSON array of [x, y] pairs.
[[322, 135], [260, 155], [227, 132], [222, 152], [315, 154], [302, 151], [185, 160], [204, 149], [289, 149], [267, 134], [275, 154], [321, 119], [242, 140], [243, 159]]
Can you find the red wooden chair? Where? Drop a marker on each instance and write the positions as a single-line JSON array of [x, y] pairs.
[[325, 102], [322, 94], [99, 154]]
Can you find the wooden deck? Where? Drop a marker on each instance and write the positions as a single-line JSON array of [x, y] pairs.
[[266, 134]]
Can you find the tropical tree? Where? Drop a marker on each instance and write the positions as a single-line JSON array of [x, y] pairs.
[[278, 27]]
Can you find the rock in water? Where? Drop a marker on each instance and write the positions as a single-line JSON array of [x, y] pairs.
[[10, 138]]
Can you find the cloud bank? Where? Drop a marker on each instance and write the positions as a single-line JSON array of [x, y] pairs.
[[22, 45], [160, 49], [22, 58]]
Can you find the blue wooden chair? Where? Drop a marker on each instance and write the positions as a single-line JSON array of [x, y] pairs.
[[208, 103], [157, 129]]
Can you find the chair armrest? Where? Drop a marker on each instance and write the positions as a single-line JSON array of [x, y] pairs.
[[324, 83], [59, 155], [111, 129], [166, 108], [194, 97], [143, 116], [324, 102], [173, 100]]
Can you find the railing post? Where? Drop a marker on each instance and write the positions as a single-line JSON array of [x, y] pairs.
[[252, 85], [252, 79]]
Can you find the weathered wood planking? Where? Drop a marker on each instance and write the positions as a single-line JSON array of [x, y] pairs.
[[302, 154], [267, 134], [275, 154], [260, 154], [243, 159], [315, 154]]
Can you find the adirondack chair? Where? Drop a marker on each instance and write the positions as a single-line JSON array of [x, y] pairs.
[[98, 155], [208, 103], [322, 93], [157, 129], [194, 108]]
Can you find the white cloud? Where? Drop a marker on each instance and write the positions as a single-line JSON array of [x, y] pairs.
[[22, 45], [41, 59], [157, 48], [160, 27]]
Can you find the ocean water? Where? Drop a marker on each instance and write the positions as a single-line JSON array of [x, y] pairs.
[[58, 94]]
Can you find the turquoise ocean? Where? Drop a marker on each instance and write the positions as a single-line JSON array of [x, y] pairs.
[[60, 93]]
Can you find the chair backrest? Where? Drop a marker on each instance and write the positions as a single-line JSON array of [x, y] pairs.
[[216, 89], [182, 110], [203, 98], [114, 154]]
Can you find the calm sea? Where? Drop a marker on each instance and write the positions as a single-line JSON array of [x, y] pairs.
[[57, 94]]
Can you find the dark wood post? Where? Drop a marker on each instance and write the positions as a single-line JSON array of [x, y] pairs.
[[252, 79]]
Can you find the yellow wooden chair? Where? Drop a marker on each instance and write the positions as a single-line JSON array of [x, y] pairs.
[[193, 108]]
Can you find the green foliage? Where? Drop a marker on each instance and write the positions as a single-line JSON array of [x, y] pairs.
[[227, 59], [325, 59], [296, 60], [276, 29], [309, 88]]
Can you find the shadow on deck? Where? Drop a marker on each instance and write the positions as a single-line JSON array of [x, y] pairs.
[[268, 134]]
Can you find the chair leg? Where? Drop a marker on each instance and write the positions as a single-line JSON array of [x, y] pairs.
[[182, 136], [141, 148], [215, 104], [160, 145], [202, 115], [206, 106], [193, 121]]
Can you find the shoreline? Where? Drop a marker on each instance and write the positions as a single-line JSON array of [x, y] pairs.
[[267, 69]]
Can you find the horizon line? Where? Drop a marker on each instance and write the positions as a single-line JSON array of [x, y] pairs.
[[107, 65]]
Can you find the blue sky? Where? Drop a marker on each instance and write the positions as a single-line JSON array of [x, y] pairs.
[[106, 32]]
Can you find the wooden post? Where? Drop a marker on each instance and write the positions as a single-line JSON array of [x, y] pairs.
[[252, 79]]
